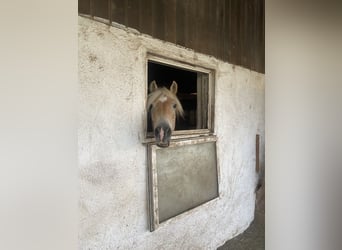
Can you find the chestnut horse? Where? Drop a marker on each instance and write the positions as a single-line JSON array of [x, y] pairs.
[[164, 107]]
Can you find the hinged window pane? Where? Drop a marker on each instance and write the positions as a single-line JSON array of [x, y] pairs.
[[182, 177]]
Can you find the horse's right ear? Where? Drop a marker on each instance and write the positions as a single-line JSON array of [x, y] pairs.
[[174, 87], [153, 86]]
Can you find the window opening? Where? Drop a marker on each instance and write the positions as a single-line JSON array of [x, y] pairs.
[[192, 93]]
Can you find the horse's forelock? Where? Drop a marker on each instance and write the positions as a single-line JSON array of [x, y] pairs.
[[155, 95], [179, 108]]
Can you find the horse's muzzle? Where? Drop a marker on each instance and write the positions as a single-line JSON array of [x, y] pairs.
[[162, 134]]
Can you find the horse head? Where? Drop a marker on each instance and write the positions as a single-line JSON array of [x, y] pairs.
[[164, 107]]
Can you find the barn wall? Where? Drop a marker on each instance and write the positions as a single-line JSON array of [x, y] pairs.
[[230, 30], [113, 170]]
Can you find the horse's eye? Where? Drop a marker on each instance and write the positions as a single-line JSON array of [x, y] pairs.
[[174, 106]]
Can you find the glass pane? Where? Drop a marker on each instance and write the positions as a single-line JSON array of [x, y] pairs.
[[187, 177]]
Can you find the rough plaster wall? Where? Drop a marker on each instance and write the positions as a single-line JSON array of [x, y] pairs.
[[113, 172]]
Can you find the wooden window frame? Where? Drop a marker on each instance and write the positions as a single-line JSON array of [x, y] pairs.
[[179, 134]]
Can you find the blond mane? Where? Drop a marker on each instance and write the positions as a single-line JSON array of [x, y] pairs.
[[155, 95]]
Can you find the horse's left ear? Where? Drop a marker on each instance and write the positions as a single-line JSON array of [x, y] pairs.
[[174, 87]]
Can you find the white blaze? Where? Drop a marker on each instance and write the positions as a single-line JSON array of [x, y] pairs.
[[163, 98], [161, 134]]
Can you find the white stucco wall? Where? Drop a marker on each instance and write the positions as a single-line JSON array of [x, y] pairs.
[[113, 171]]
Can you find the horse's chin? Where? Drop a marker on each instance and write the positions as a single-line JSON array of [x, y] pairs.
[[163, 145]]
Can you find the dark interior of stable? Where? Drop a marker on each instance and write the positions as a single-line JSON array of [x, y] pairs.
[[187, 91]]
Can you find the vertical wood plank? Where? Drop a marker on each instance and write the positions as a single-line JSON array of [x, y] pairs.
[[233, 30], [170, 10], [84, 6], [190, 25], [132, 13], [253, 33], [248, 32], [201, 26], [228, 31], [180, 22], [101, 8], [186, 23], [244, 36], [195, 6], [257, 34], [158, 29], [219, 29], [212, 34], [262, 38], [110, 11], [145, 17], [118, 11], [239, 32]]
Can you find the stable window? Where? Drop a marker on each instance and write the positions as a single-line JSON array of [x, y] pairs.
[[195, 92], [183, 176]]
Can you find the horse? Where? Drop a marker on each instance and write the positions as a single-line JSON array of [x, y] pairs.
[[163, 107]]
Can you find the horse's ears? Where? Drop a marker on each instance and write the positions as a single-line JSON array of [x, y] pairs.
[[174, 87], [153, 86]]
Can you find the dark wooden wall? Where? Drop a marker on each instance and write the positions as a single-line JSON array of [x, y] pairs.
[[231, 30]]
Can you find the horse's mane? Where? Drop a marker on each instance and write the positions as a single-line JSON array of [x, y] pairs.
[[156, 94]]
